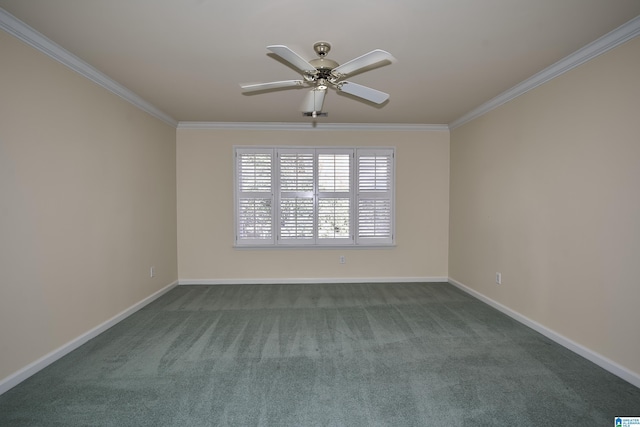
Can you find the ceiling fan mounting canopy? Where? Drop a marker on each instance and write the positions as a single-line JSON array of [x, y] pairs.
[[322, 72], [322, 48]]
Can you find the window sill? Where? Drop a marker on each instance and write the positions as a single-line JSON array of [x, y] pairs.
[[314, 247]]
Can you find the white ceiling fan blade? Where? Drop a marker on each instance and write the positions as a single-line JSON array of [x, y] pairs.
[[293, 58], [271, 85], [313, 101], [364, 61], [363, 92]]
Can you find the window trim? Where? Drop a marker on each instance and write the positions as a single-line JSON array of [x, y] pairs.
[[275, 241]]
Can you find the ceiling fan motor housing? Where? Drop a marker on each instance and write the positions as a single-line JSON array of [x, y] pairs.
[[324, 67], [323, 64]]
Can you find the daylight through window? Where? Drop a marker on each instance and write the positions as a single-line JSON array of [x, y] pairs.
[[314, 196]]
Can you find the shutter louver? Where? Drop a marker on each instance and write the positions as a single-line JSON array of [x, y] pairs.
[[334, 197], [255, 172], [334, 171], [375, 196], [334, 219], [296, 173], [374, 218], [296, 218], [254, 208], [255, 219], [374, 174]]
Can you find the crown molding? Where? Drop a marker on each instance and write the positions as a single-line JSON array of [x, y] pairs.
[[22, 31], [312, 126], [25, 33], [602, 45]]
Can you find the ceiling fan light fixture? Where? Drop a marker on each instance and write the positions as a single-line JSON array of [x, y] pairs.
[[314, 101]]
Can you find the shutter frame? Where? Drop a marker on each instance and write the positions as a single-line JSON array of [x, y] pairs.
[[337, 175], [296, 210], [314, 196], [375, 193], [254, 197]]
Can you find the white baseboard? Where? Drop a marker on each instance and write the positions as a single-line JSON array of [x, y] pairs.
[[314, 280], [598, 359], [607, 364], [24, 373]]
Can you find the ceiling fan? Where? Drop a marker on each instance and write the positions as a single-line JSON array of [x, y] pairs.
[[322, 73]]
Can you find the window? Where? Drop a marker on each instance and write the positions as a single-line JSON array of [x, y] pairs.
[[314, 196]]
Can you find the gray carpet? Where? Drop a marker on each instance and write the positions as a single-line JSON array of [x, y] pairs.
[[319, 355]]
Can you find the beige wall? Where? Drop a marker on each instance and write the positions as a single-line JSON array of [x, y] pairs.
[[87, 205], [542, 189], [205, 209], [545, 190]]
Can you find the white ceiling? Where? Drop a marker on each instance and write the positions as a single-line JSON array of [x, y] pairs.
[[187, 57]]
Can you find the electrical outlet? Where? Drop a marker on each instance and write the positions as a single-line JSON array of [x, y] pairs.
[[152, 272], [342, 259], [499, 278]]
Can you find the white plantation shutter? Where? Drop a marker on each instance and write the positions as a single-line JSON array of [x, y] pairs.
[[334, 218], [254, 196], [334, 171], [375, 196], [296, 171], [296, 219], [314, 196], [297, 204], [335, 196]]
